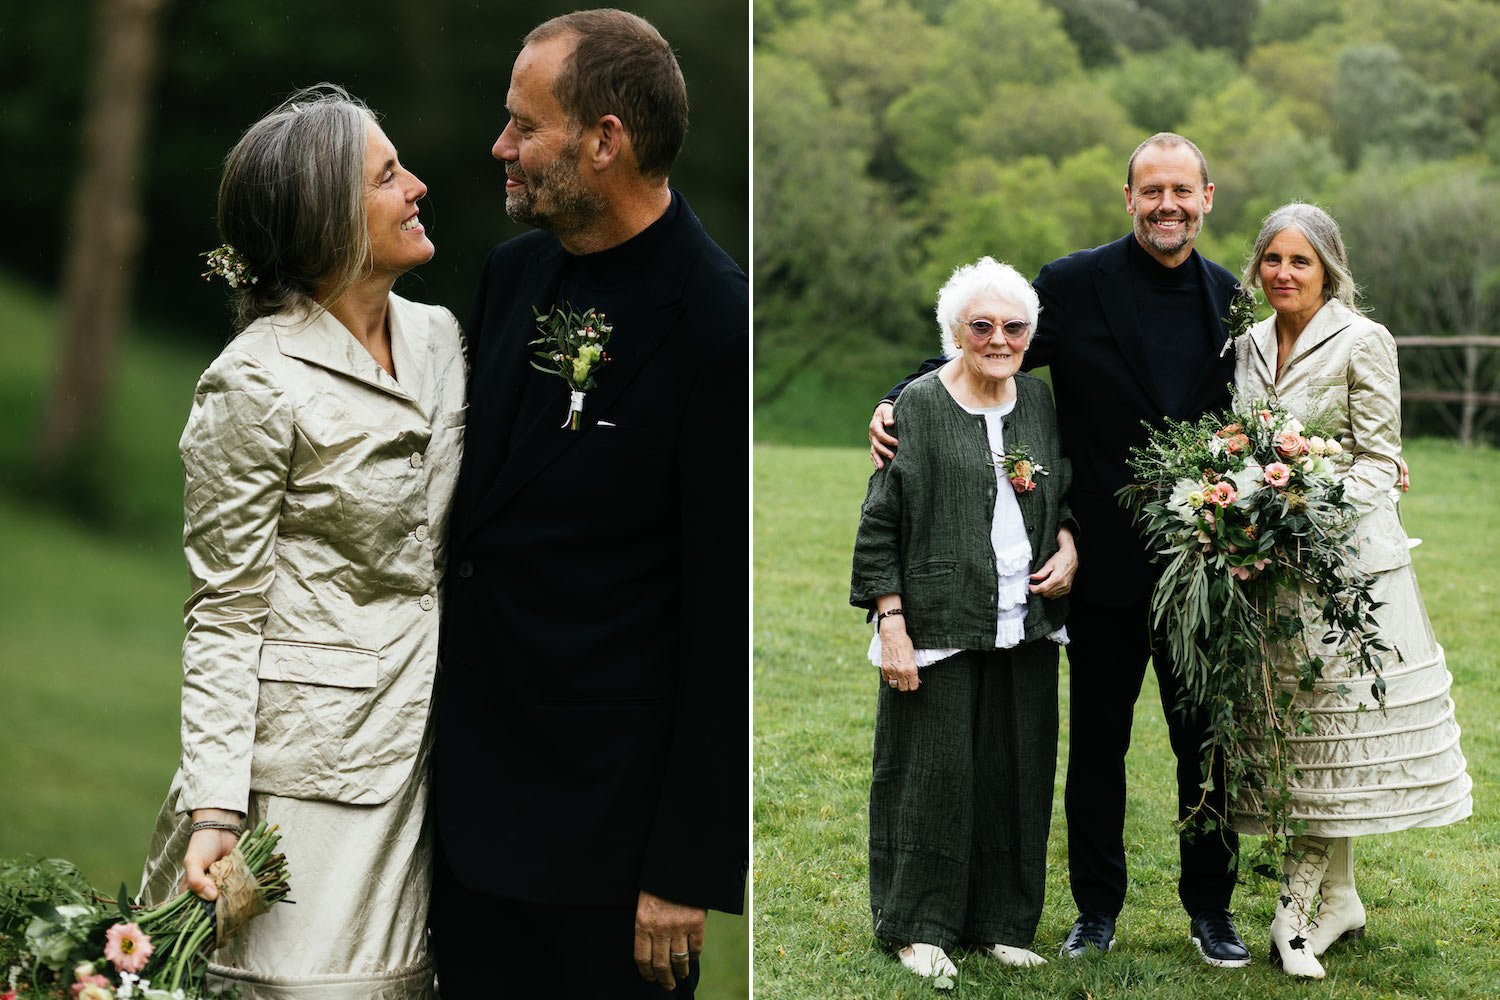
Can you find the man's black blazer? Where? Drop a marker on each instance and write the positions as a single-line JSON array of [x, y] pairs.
[[1090, 337], [593, 701]]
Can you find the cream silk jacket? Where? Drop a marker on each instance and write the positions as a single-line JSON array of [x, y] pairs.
[[316, 501], [1343, 365]]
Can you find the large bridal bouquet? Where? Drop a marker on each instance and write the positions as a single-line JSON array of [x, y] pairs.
[[1258, 592], [60, 938]]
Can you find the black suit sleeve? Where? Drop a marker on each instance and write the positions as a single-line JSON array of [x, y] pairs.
[[930, 364], [698, 850], [1043, 347]]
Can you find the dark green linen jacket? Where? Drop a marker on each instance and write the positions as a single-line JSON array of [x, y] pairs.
[[924, 529]]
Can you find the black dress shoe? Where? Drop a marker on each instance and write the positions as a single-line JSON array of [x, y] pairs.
[[1090, 930], [1217, 940]]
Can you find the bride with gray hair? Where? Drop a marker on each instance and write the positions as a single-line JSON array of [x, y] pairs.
[[319, 460], [1365, 767]]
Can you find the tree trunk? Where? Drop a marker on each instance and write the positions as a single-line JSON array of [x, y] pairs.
[[105, 231]]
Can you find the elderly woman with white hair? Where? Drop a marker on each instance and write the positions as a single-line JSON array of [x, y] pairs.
[[966, 636], [1363, 768], [319, 460]]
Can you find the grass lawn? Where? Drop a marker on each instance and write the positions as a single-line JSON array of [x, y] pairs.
[[91, 626], [1434, 918]]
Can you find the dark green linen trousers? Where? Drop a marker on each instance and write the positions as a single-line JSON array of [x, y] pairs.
[[961, 799]]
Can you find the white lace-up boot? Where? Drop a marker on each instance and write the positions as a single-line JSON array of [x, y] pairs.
[[1341, 916], [1294, 909]]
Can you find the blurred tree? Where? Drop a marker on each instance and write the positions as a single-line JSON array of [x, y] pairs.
[[1055, 120], [1301, 76], [1377, 100], [1312, 16], [1157, 88], [832, 262], [845, 51], [983, 45], [1092, 205], [105, 231], [1209, 25], [1101, 29], [1254, 151], [1424, 245], [1454, 42], [987, 208]]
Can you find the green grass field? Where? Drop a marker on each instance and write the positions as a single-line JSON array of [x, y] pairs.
[[1434, 918], [91, 625]]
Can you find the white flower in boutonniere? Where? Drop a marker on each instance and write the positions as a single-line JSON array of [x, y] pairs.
[[1020, 469], [1241, 317], [573, 350]]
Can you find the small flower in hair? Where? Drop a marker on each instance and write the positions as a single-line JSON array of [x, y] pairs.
[[227, 263]]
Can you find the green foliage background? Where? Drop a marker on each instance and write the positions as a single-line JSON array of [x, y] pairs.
[[436, 71], [897, 139]]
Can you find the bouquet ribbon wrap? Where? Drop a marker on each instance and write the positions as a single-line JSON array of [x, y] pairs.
[[239, 896]]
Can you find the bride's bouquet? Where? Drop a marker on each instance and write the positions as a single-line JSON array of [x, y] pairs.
[[1246, 513], [60, 938]]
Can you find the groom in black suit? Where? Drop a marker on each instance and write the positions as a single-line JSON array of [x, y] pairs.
[[1133, 331], [591, 773]]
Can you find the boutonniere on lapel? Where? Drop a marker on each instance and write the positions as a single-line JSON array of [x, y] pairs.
[[572, 348], [1241, 316], [1020, 468]]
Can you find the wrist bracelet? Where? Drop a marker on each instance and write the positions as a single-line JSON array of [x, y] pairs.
[[888, 614], [215, 824]]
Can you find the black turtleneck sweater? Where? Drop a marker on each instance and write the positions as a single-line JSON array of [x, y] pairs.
[[604, 281], [1172, 310]]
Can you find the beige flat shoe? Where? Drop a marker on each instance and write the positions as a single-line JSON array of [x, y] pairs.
[[927, 960], [1016, 958]]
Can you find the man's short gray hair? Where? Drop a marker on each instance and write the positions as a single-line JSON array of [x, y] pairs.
[[1327, 242], [970, 281]]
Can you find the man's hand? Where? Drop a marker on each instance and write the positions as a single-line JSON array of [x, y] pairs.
[[667, 937], [882, 442], [1055, 578], [1404, 479]]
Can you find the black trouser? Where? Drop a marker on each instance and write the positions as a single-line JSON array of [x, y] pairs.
[[498, 948], [1107, 663], [961, 799]]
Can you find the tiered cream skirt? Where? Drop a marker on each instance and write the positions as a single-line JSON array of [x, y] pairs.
[[1365, 769]]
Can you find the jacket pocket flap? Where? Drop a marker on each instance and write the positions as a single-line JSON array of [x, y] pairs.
[[313, 663]]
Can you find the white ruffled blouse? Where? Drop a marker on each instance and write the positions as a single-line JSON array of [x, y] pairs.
[[1012, 555]]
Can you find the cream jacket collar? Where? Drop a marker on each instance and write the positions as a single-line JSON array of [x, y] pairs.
[[1327, 323], [320, 339]]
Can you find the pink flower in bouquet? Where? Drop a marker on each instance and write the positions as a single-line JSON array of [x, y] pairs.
[[1265, 417], [1278, 474], [1221, 494], [1249, 572], [128, 947], [94, 982], [1291, 444], [1236, 443], [1228, 430]]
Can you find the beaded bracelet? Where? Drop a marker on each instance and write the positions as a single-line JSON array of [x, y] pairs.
[[214, 824]]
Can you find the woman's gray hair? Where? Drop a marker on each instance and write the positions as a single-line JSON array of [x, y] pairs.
[[292, 202], [1327, 242], [970, 281]]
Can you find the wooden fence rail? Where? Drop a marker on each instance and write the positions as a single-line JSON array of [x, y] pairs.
[[1471, 397]]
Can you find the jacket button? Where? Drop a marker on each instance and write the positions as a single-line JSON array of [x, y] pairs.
[[427, 602], [466, 569], [421, 532], [416, 460]]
